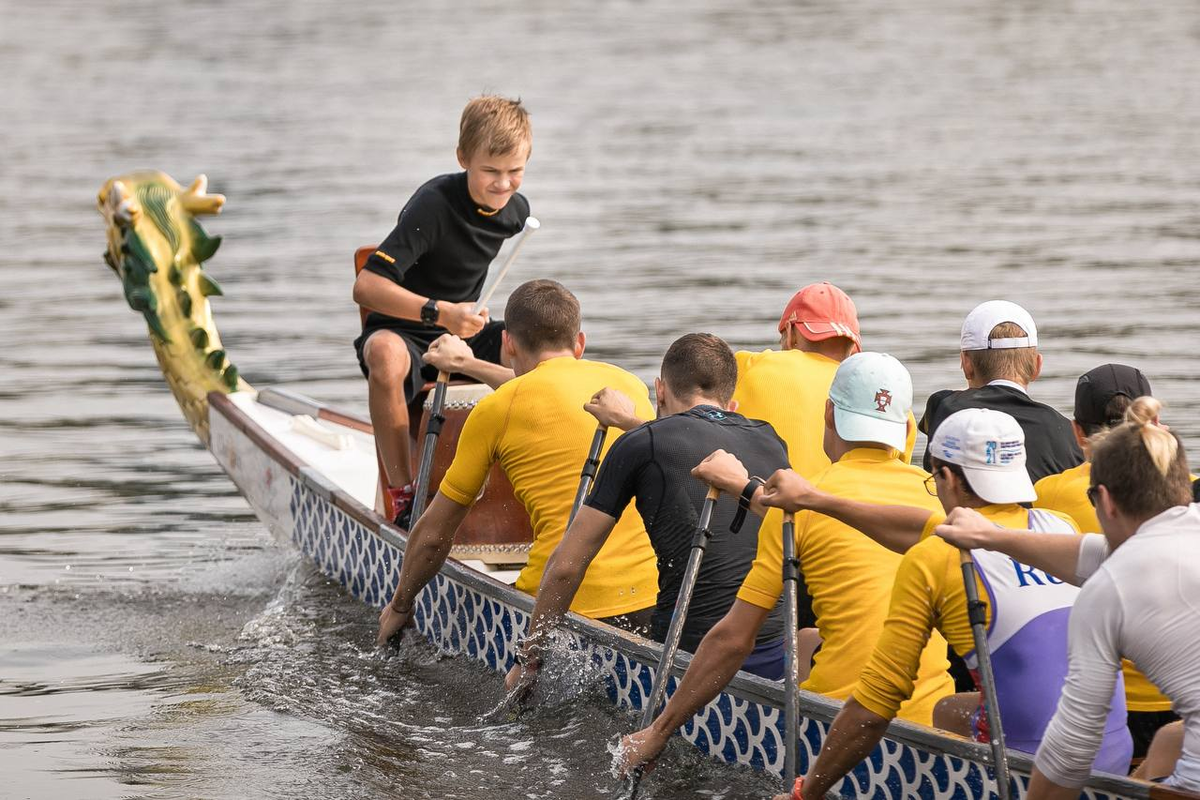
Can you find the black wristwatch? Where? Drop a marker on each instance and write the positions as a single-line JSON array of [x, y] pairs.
[[429, 312]]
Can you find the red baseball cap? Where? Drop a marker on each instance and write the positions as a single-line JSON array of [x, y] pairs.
[[822, 311]]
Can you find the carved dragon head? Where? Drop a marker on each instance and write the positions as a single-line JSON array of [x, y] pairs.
[[156, 247]]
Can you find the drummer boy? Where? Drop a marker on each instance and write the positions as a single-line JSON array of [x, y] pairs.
[[423, 280]]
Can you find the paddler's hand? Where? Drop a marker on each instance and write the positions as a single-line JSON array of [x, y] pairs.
[[448, 353], [723, 471], [790, 491], [521, 675], [461, 319], [391, 621], [966, 528], [613, 409], [640, 749]]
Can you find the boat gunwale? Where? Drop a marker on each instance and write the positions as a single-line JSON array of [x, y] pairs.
[[743, 686]]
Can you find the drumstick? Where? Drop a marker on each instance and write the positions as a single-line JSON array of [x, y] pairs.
[[531, 225]]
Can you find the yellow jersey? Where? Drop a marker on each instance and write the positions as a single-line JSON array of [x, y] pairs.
[[535, 426], [850, 577], [788, 388], [927, 595], [1067, 492]]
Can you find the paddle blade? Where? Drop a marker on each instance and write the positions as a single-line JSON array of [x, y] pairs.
[[513, 706]]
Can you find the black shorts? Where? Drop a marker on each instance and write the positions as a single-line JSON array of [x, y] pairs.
[[485, 345], [1143, 725]]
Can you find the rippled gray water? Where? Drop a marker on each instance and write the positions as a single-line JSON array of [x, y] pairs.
[[692, 167]]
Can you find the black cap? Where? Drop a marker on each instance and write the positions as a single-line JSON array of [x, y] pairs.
[[1100, 385]]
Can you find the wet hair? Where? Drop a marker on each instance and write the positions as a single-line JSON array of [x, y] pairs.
[[542, 315], [1011, 363], [956, 469], [1142, 465], [700, 364], [495, 124], [1114, 414]]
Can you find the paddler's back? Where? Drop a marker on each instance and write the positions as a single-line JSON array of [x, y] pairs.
[[788, 388], [535, 426]]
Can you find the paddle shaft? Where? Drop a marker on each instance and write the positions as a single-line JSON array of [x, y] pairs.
[[432, 431], [791, 669], [589, 472], [977, 613], [531, 225], [679, 615], [675, 631]]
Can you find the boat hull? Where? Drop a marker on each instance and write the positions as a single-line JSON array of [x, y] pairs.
[[463, 611]]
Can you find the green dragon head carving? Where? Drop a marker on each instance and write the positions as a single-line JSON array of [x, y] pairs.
[[156, 247]]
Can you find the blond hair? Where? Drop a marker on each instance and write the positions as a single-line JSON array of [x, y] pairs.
[[1142, 464], [495, 124], [1011, 363]]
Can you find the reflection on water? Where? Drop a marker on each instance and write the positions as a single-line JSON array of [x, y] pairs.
[[691, 168]]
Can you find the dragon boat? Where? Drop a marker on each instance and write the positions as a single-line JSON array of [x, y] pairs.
[[310, 474]]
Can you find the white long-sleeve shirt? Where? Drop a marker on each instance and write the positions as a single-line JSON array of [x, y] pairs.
[[1143, 603]]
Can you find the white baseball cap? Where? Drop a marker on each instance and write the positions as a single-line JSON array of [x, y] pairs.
[[990, 447], [979, 323], [872, 395]]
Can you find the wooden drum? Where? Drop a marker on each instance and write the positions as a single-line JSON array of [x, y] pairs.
[[497, 529]]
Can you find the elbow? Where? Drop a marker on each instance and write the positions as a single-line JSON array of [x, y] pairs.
[[736, 641], [358, 293]]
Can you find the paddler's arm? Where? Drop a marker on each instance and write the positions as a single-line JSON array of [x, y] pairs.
[[724, 471], [560, 581], [717, 660], [449, 353], [889, 676], [428, 545], [613, 409], [895, 527], [855, 733], [1069, 558], [378, 293]]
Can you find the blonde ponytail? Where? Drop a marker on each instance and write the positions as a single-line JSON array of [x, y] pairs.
[[1160, 445], [1142, 464]]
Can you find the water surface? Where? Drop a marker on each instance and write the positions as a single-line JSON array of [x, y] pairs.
[[692, 167]]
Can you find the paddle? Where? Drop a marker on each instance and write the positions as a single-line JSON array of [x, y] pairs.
[[589, 472], [977, 614], [436, 418], [531, 225], [432, 431], [791, 669], [675, 631]]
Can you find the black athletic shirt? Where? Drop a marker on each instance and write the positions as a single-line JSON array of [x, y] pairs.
[[1050, 446], [652, 463], [441, 247]]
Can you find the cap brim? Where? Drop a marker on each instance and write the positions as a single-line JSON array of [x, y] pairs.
[[1001, 486], [820, 331], [855, 427]]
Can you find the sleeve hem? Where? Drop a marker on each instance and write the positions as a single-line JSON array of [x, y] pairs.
[[457, 495], [870, 704], [757, 598]]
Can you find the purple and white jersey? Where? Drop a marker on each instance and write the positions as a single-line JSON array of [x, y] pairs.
[[1028, 641]]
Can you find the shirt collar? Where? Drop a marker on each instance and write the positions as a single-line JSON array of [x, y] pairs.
[[867, 454], [1010, 385]]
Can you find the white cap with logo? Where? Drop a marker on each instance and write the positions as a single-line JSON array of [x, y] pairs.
[[979, 323], [990, 447], [872, 395]]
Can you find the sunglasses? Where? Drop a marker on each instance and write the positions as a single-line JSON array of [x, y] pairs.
[[1093, 492]]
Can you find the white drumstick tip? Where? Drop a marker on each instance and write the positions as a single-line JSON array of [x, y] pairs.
[[532, 224]]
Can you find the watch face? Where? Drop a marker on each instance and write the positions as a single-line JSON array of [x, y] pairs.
[[429, 312]]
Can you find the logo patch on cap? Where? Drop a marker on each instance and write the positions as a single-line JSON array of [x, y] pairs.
[[883, 399]]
